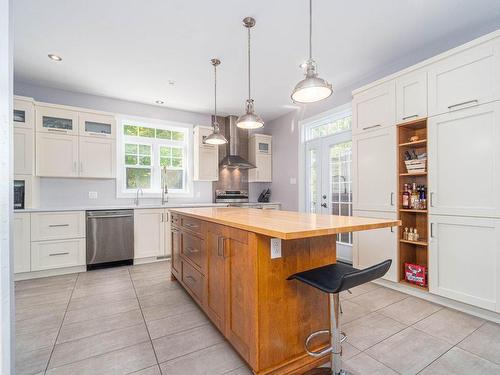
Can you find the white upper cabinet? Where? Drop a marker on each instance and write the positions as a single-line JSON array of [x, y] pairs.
[[374, 170], [260, 154], [96, 125], [56, 120], [24, 147], [206, 157], [56, 155], [371, 247], [411, 96], [96, 157], [464, 260], [464, 162], [467, 78], [374, 108], [24, 113]]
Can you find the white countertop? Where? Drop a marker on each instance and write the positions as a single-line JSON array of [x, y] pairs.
[[131, 207]]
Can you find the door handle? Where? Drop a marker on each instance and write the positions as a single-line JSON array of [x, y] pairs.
[[324, 196], [431, 199], [58, 225], [81, 166], [392, 198], [56, 254], [409, 117], [323, 205], [475, 101], [371, 127], [432, 230]]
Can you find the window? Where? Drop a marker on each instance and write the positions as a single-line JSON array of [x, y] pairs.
[[144, 148], [329, 125]]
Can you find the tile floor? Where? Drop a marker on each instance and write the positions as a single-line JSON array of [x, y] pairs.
[[134, 320]]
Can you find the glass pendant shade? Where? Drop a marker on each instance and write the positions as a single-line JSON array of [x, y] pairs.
[[249, 120]]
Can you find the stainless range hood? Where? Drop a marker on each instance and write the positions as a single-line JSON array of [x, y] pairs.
[[233, 158]]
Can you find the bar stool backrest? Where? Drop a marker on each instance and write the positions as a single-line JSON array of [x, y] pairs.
[[353, 279]]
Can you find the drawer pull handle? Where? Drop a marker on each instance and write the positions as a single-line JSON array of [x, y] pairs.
[[475, 101], [56, 254], [191, 225], [191, 278], [58, 225], [192, 250], [371, 127], [409, 117]]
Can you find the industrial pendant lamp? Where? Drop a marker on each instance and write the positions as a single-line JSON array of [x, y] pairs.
[[249, 120], [312, 88], [216, 138]]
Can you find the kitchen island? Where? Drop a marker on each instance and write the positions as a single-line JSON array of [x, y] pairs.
[[234, 263]]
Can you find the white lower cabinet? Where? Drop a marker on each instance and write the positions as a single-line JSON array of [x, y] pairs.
[[96, 157], [374, 170], [374, 246], [464, 260], [56, 155], [47, 255], [149, 233], [22, 242]]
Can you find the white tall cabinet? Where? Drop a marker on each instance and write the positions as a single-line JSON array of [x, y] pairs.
[[206, 156], [260, 154], [459, 93]]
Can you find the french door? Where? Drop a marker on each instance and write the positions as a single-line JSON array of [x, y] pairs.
[[328, 181]]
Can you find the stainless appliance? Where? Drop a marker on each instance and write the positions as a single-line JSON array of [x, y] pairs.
[[110, 237], [19, 194], [231, 196], [233, 158]]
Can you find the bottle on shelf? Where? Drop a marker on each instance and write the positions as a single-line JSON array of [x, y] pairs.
[[414, 198], [406, 197], [423, 198]]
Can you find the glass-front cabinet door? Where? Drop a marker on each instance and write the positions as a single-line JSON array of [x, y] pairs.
[[96, 125], [23, 114], [56, 120]]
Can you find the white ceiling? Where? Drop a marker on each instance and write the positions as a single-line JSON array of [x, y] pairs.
[[130, 49]]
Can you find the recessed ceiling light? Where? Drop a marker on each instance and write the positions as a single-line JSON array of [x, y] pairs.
[[54, 57], [159, 102], [171, 82]]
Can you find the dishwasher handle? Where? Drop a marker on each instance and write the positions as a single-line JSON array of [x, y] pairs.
[[108, 216]]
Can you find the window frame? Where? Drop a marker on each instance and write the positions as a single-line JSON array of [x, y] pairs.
[[156, 143]]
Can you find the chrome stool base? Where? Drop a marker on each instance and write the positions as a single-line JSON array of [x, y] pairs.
[[326, 371]]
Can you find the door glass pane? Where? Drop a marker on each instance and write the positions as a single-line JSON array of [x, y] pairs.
[[341, 184], [19, 115], [97, 127], [57, 123], [313, 180]]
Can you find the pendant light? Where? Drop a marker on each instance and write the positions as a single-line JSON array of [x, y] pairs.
[[311, 88], [249, 120], [216, 138]]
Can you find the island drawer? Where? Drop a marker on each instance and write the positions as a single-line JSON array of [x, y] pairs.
[[192, 224], [192, 248], [174, 219], [193, 280]]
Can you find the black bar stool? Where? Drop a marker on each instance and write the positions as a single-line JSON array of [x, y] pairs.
[[333, 279]]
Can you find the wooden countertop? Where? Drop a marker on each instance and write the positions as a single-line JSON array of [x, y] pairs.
[[286, 225]]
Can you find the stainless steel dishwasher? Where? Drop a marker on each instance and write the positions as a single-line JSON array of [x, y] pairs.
[[110, 237]]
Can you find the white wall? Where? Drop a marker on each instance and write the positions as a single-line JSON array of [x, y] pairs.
[[6, 167]]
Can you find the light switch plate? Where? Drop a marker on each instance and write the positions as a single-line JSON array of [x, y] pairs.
[[293, 181], [275, 248], [92, 194]]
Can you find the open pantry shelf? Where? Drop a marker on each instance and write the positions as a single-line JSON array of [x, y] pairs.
[[412, 138]]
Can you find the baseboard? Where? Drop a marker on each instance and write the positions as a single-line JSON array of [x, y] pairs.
[[443, 301], [150, 260], [48, 273]]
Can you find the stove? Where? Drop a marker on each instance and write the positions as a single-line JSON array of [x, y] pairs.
[[231, 196]]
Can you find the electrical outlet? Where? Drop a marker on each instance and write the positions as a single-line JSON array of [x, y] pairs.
[[275, 248], [293, 181], [92, 194]]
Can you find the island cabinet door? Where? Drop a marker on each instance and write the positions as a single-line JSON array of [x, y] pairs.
[[175, 239], [215, 243], [241, 293]]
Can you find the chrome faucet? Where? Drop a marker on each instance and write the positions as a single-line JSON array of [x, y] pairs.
[[164, 187], [136, 200]]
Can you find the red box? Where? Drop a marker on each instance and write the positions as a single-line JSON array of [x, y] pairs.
[[416, 274]]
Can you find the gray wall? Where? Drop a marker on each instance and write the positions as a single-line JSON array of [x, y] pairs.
[[285, 132], [61, 192]]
